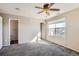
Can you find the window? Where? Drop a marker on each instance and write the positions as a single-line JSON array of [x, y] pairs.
[[56, 28]]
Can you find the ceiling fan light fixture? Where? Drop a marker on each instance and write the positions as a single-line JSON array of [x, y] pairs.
[[47, 8]]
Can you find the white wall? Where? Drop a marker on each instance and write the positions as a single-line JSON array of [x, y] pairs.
[[0, 32], [72, 30], [28, 28]]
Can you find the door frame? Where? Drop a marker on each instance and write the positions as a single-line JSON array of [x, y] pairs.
[[18, 29], [1, 38]]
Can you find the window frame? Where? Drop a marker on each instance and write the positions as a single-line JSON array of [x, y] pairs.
[[55, 22]]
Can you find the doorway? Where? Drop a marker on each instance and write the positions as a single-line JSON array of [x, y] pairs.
[[43, 30], [13, 32]]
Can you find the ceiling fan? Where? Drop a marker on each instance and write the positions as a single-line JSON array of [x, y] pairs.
[[46, 8]]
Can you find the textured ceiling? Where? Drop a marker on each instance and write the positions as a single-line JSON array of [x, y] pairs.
[[29, 10]]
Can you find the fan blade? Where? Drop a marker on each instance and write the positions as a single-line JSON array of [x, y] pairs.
[[38, 7], [51, 4], [47, 13], [54, 9], [40, 12]]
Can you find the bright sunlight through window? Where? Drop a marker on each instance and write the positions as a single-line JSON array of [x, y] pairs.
[[57, 28]]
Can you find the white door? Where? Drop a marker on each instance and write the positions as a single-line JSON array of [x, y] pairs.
[[0, 32]]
